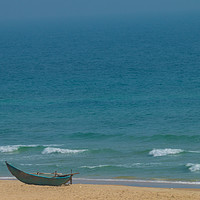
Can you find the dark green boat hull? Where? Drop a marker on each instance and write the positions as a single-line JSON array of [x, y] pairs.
[[36, 179]]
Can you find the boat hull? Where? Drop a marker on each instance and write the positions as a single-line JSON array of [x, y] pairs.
[[36, 179]]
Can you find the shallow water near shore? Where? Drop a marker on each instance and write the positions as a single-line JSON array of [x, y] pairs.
[[109, 100]]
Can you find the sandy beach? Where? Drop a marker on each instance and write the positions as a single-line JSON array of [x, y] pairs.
[[13, 189]]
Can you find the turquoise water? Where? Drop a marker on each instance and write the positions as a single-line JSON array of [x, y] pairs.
[[115, 99]]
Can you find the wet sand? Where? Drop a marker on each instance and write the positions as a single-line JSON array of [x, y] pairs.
[[13, 189]]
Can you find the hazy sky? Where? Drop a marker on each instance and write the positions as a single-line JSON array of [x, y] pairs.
[[63, 9]]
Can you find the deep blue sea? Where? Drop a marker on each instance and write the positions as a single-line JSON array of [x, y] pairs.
[[109, 99]]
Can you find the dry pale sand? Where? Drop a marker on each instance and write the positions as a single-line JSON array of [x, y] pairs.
[[15, 190]]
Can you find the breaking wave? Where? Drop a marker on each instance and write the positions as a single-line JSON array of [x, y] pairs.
[[165, 152], [21, 148], [93, 167], [193, 167], [14, 148], [50, 150]]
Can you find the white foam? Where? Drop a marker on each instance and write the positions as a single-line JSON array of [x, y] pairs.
[[26, 164], [50, 150], [165, 152], [9, 149], [93, 167], [52, 145], [129, 165], [133, 165], [13, 148], [193, 167], [100, 166]]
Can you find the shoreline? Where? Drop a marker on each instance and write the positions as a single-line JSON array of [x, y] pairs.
[[139, 183], [128, 182], [13, 189]]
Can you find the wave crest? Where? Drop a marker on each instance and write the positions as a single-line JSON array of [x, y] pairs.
[[96, 166], [133, 165], [50, 150], [13, 148], [165, 152], [193, 167], [21, 148]]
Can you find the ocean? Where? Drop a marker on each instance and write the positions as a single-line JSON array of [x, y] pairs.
[[109, 99]]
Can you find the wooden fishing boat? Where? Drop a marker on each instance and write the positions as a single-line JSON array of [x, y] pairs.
[[54, 179]]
